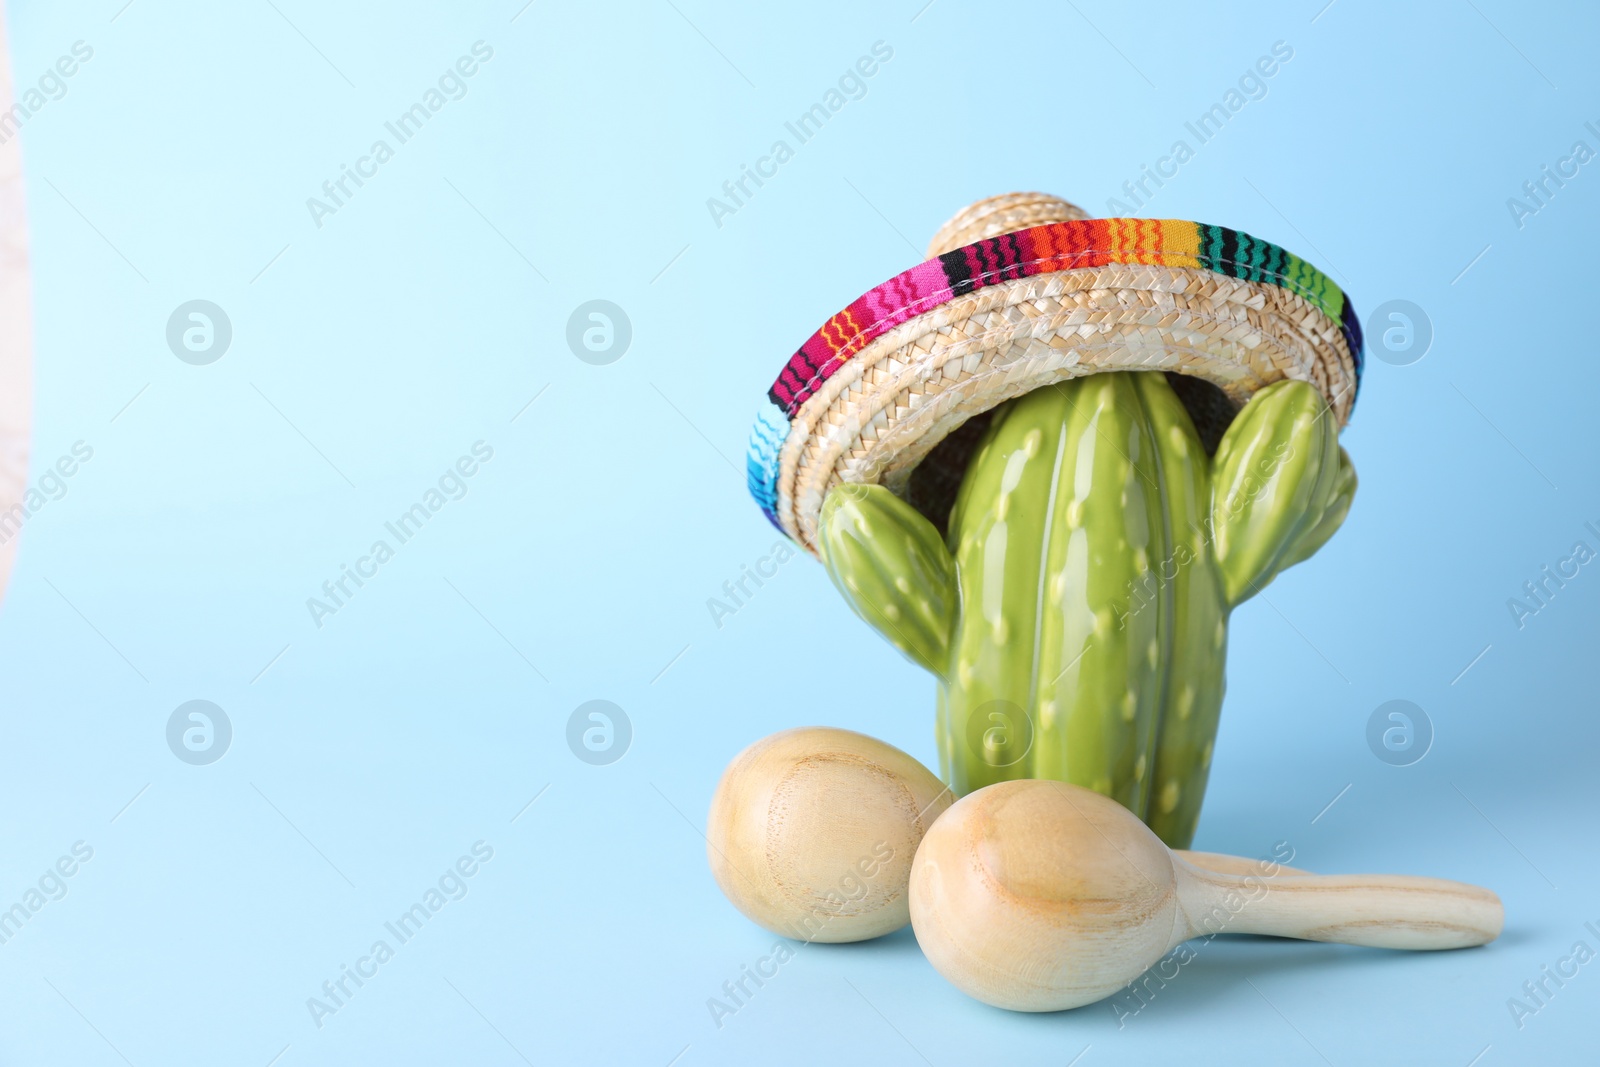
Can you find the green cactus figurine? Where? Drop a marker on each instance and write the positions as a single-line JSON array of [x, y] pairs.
[[1075, 615]]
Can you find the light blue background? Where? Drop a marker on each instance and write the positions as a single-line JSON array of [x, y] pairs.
[[428, 311]]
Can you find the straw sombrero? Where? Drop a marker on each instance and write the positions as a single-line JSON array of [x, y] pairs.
[[1021, 291]]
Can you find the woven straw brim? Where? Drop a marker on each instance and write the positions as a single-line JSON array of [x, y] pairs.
[[895, 373], [885, 409]]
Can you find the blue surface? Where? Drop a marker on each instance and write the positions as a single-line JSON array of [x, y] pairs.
[[369, 754]]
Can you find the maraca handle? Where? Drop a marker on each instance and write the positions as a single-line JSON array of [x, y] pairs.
[[1377, 910], [1222, 863]]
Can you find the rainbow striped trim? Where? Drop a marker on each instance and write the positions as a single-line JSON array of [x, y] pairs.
[[1059, 246]]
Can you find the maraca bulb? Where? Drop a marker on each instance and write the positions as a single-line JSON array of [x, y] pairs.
[[812, 833], [1038, 896]]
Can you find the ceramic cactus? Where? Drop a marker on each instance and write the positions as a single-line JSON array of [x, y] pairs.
[[1075, 615]]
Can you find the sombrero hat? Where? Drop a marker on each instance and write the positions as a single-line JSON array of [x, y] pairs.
[[1021, 291]]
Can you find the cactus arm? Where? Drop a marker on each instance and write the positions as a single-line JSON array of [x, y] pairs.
[[892, 568], [1333, 515], [1273, 477], [1192, 696]]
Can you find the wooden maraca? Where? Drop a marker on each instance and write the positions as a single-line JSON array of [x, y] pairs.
[[812, 833], [1037, 895]]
